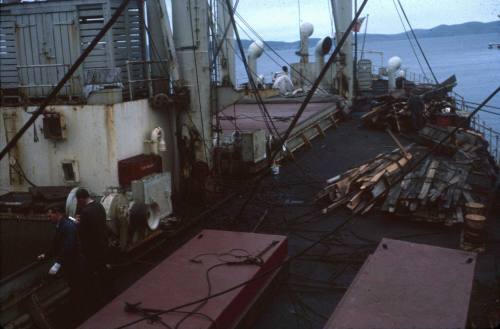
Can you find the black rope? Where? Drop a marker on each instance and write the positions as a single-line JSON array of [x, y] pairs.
[[364, 37], [197, 84], [486, 111], [409, 40], [246, 260], [418, 43], [324, 237], [308, 97], [273, 50], [136, 308], [35, 134], [271, 118], [226, 30], [260, 102], [17, 168], [267, 117]]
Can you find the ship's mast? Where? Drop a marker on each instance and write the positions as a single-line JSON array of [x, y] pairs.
[[226, 37], [342, 15], [163, 55], [191, 39]]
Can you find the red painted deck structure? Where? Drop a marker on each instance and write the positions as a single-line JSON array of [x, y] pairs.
[[408, 285], [182, 278], [319, 115], [248, 117]]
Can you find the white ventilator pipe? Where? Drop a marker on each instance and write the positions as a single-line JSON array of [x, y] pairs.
[[393, 65], [306, 30], [158, 146], [158, 141], [255, 50], [322, 48]]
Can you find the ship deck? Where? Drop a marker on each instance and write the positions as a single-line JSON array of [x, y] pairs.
[[318, 280]]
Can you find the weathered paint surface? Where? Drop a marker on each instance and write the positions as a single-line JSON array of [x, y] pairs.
[[97, 137]]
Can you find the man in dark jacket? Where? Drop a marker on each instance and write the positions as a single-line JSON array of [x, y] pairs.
[[65, 251], [416, 106], [94, 239]]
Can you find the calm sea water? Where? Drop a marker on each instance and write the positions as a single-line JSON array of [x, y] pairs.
[[476, 67]]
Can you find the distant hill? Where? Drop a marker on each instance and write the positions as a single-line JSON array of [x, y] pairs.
[[435, 32]]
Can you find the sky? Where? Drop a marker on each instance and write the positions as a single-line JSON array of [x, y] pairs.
[[277, 20]]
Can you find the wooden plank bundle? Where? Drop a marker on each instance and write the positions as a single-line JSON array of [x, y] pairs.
[[437, 189], [396, 114], [360, 187], [432, 192], [393, 114]]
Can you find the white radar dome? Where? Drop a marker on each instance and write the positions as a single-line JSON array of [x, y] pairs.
[[306, 29], [394, 63]]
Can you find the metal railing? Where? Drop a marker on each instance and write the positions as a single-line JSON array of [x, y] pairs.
[[146, 67], [378, 70], [44, 77], [417, 77], [491, 135], [373, 52]]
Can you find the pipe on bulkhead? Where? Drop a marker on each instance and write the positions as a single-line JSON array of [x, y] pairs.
[[158, 146], [393, 65], [255, 50], [322, 48], [306, 30], [158, 141]]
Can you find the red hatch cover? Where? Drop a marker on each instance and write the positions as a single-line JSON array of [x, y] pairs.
[[408, 285], [182, 278]]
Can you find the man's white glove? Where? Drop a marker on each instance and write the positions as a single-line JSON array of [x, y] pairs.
[[41, 257], [54, 269]]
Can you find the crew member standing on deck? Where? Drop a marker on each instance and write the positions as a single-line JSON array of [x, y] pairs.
[[66, 253], [416, 106], [94, 240], [282, 82]]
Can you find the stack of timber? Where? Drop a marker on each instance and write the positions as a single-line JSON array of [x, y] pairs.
[[360, 187], [466, 147], [397, 115], [435, 189], [391, 113]]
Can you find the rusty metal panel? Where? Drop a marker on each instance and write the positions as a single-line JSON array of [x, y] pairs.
[[182, 278], [408, 285]]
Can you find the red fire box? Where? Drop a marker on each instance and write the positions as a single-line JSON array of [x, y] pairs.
[[137, 167]]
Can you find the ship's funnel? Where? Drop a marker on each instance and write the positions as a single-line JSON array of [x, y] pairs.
[[322, 48], [306, 30], [393, 66], [255, 50]]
